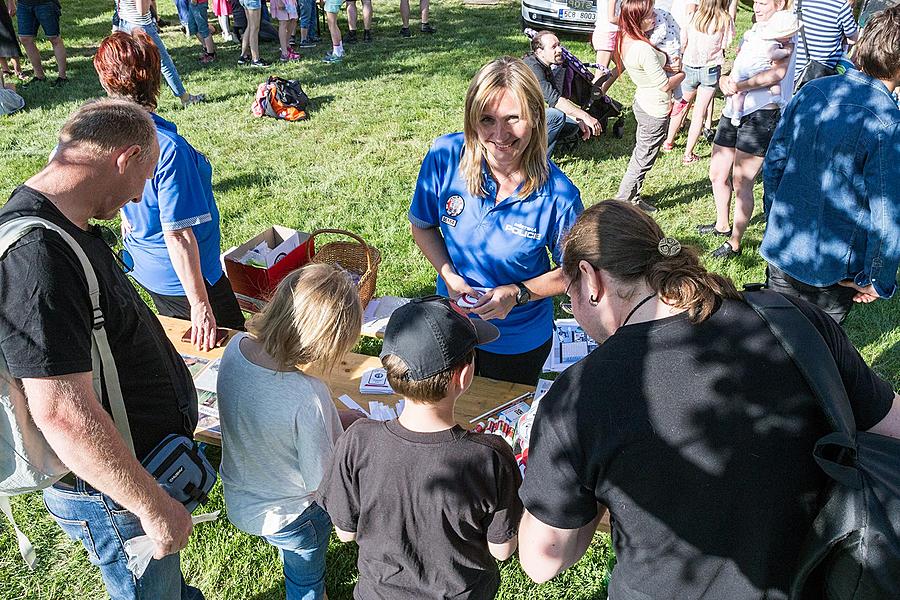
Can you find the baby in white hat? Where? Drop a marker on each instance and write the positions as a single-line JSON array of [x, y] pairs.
[[764, 44]]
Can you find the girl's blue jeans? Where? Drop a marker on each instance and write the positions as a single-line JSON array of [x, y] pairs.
[[302, 546]]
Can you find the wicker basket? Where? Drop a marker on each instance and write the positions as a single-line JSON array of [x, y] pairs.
[[357, 256]]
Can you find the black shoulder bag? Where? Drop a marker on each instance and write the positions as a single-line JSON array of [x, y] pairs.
[[813, 68], [853, 548]]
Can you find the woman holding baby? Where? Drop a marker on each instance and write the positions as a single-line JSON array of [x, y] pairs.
[[749, 119]]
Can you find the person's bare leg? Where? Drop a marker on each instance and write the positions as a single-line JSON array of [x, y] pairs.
[[424, 5], [614, 73], [334, 30], [34, 56], [704, 97], [404, 13], [59, 50], [352, 20], [709, 113], [676, 122], [367, 15], [253, 17], [720, 167], [283, 37], [746, 167]]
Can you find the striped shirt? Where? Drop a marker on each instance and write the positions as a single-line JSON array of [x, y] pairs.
[[826, 23], [129, 13]]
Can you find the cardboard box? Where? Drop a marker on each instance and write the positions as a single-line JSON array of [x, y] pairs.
[[258, 283]]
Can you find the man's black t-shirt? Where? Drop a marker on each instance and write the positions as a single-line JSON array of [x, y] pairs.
[[45, 323], [698, 438], [423, 507]]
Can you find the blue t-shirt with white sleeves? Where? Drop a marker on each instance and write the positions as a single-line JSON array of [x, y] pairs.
[[178, 196], [493, 244]]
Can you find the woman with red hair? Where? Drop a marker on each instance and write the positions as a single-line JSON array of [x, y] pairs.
[[173, 233], [645, 64]]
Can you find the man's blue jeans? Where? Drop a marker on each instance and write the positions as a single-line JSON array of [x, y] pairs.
[[302, 546], [102, 526], [559, 127], [169, 72], [308, 15]]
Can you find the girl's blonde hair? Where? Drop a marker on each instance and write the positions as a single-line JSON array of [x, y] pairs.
[[712, 16], [498, 76], [314, 316]]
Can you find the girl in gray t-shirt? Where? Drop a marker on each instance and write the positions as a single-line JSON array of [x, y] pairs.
[[279, 425]]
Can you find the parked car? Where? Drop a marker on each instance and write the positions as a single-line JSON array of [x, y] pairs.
[[574, 16]]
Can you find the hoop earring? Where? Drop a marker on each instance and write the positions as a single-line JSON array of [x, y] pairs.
[[594, 301]]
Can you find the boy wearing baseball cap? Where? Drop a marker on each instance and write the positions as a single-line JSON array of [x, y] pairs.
[[430, 504]]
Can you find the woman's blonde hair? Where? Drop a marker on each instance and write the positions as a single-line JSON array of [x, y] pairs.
[[712, 16], [314, 316], [498, 76]]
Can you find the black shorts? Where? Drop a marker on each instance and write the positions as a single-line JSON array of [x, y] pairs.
[[752, 135]]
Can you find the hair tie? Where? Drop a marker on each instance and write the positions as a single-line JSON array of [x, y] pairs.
[[669, 247]]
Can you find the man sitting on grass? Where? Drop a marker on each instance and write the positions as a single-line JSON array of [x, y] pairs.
[[430, 504]]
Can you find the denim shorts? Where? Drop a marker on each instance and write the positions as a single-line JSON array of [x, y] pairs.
[[333, 6], [302, 546], [252, 4], [45, 15], [197, 23], [695, 77]]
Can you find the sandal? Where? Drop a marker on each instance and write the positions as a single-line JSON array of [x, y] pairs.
[[725, 251], [687, 160], [667, 147], [711, 230]]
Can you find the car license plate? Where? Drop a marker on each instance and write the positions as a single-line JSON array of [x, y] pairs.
[[567, 14], [587, 5]]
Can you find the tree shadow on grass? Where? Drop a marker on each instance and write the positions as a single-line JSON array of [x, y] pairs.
[[682, 193]]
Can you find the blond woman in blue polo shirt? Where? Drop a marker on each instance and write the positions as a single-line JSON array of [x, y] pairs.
[[489, 211]]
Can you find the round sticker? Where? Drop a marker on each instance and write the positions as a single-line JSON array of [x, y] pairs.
[[455, 205]]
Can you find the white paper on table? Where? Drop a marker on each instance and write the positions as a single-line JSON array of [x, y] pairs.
[[543, 386], [378, 313], [574, 351], [207, 378], [374, 381], [139, 550], [351, 404]]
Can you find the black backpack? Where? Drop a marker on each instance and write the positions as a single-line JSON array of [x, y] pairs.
[[853, 548]]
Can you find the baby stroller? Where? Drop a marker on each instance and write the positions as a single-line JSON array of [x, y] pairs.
[[576, 83]]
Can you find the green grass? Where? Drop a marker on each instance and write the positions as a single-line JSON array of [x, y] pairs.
[[353, 166]]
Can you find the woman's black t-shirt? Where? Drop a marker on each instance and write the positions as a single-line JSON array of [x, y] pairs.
[[698, 438]]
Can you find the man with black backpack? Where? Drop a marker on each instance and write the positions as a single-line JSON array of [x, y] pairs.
[[49, 337]]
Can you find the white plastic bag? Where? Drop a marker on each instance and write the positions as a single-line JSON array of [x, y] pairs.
[[140, 549]]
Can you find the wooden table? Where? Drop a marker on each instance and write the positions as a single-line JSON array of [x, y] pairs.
[[483, 395]]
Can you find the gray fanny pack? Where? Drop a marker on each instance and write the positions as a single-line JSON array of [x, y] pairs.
[[180, 467]]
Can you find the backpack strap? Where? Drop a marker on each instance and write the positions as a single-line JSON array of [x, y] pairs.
[[104, 365], [26, 548], [835, 452]]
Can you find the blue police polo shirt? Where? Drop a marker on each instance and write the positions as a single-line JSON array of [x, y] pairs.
[[179, 196], [496, 244]]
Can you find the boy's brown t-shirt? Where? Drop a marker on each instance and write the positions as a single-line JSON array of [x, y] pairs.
[[423, 507]]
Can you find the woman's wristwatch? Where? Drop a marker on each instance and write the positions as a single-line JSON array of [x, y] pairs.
[[524, 294]]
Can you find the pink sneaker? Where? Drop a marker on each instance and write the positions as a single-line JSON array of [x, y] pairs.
[[291, 55]]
